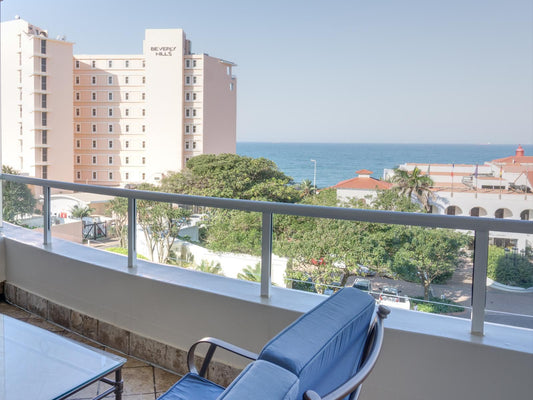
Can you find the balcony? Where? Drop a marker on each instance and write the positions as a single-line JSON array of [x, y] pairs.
[[155, 312]]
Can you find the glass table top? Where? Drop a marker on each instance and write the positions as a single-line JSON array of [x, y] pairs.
[[37, 364]]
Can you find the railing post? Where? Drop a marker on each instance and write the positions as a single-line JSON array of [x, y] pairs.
[[479, 281], [266, 254], [47, 221], [132, 232]]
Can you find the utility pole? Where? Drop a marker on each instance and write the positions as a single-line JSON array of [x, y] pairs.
[[314, 176]]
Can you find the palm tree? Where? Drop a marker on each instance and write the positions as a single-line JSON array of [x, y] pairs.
[[209, 267], [251, 274], [81, 212], [307, 187], [414, 183]]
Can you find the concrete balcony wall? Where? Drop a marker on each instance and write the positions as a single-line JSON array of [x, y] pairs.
[[424, 356]]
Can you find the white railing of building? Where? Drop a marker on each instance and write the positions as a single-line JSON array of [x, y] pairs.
[[480, 226]]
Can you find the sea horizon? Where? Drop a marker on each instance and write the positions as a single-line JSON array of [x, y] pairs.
[[294, 158]]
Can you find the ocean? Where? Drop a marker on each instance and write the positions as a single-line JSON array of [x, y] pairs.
[[336, 162]]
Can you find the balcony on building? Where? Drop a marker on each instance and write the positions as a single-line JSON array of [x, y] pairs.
[[155, 312]]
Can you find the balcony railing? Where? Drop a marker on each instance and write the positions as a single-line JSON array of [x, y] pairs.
[[479, 226]]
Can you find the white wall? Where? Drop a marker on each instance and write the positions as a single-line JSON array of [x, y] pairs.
[[424, 356]]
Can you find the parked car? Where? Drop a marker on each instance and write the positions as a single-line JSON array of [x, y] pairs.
[[365, 271], [390, 296], [362, 284]]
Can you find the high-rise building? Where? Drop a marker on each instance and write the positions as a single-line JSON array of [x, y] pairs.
[[36, 96], [112, 119]]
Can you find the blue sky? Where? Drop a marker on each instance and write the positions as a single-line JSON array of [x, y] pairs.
[[406, 71]]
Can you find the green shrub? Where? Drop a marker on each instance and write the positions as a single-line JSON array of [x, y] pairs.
[[445, 306], [124, 252], [510, 268]]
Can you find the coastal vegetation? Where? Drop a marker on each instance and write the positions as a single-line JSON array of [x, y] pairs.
[[510, 267], [17, 198]]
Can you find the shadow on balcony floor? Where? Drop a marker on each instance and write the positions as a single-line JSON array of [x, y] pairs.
[[142, 381]]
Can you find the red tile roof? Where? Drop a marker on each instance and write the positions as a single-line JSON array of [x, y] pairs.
[[364, 172], [514, 160], [363, 184]]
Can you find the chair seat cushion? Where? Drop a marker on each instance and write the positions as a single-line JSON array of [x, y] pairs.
[[324, 346], [262, 380], [193, 387]]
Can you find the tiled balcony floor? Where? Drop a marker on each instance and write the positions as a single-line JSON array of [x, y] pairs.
[[142, 381]]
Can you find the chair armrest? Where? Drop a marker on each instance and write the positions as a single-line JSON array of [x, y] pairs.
[[370, 356], [214, 343]]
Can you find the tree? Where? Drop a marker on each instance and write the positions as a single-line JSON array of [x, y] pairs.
[[81, 212], [251, 274], [118, 208], [160, 223], [17, 198], [307, 188], [427, 255], [209, 267], [414, 183]]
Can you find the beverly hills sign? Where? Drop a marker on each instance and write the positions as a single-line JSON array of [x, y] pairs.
[[163, 51]]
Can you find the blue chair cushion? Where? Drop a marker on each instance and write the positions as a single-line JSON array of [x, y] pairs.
[[323, 347], [193, 387], [262, 380]]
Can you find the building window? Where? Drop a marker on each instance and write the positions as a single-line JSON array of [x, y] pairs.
[[43, 101], [110, 112], [77, 80], [127, 128], [143, 96], [77, 112], [110, 176], [127, 80], [127, 175], [93, 111], [194, 145], [110, 160], [187, 96], [194, 80], [110, 144], [194, 63], [143, 144], [194, 129], [110, 96], [78, 175], [94, 175], [43, 46], [94, 128], [187, 63], [43, 82], [186, 145], [143, 176], [78, 128], [144, 63], [109, 80], [187, 128], [109, 64], [44, 119], [44, 154], [144, 112], [187, 112], [231, 86], [94, 159], [93, 80], [144, 128], [187, 80], [77, 64], [78, 143], [127, 63], [194, 96], [144, 80], [43, 64], [78, 159], [44, 172], [127, 112], [44, 136], [194, 112], [127, 144], [77, 95], [144, 160], [110, 128], [127, 160], [126, 96], [93, 96], [94, 144], [93, 64]]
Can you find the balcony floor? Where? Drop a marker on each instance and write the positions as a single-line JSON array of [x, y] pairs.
[[142, 381]]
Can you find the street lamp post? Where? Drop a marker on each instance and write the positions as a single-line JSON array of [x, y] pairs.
[[314, 176]]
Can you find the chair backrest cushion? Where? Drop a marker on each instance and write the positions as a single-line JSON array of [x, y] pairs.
[[262, 380], [323, 347]]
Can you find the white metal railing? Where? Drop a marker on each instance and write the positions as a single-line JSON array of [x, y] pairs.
[[480, 226]]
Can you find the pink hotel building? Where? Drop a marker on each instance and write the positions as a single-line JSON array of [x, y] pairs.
[[111, 119]]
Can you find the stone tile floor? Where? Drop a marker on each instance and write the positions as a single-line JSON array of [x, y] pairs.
[[142, 381]]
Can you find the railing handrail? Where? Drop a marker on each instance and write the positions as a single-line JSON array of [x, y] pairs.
[[480, 226], [303, 210]]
